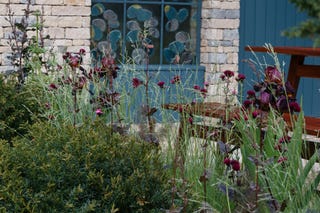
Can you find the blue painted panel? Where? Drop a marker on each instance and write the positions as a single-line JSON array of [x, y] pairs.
[[262, 22], [182, 92]]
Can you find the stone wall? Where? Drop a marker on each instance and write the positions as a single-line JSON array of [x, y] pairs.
[[219, 41], [67, 22]]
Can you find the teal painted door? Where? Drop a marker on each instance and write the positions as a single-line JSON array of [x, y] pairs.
[[262, 21]]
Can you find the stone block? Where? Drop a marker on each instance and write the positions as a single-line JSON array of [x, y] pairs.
[[218, 58], [74, 2], [224, 23], [54, 32], [49, 2], [231, 34], [71, 11], [78, 33], [69, 21]]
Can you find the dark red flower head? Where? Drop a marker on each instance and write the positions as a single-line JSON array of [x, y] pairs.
[[235, 165], [240, 77], [136, 82], [175, 79], [228, 73], [161, 84]]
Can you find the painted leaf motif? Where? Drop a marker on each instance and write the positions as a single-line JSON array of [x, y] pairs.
[[113, 24], [133, 36], [144, 15], [110, 15], [169, 55], [176, 47], [97, 9], [100, 23], [138, 55], [182, 15], [132, 11], [170, 12], [172, 25], [154, 32], [114, 36], [150, 23], [96, 33], [133, 25], [182, 36], [103, 46]]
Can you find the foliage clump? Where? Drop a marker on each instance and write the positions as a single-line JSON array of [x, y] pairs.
[[83, 169], [17, 109]]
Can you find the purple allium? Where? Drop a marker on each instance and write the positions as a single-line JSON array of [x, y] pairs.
[[190, 120], [136, 82]]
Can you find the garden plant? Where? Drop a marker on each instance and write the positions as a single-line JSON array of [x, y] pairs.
[[69, 141]]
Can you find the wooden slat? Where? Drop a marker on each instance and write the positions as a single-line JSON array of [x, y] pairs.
[[303, 51]]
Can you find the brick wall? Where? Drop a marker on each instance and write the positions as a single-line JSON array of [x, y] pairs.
[[67, 22]]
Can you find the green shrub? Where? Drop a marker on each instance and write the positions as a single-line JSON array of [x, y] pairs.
[[84, 169], [16, 108]]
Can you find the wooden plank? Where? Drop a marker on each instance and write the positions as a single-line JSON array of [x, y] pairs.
[[303, 51]]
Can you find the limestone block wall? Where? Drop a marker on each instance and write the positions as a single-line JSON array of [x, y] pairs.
[[67, 22], [219, 41]]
